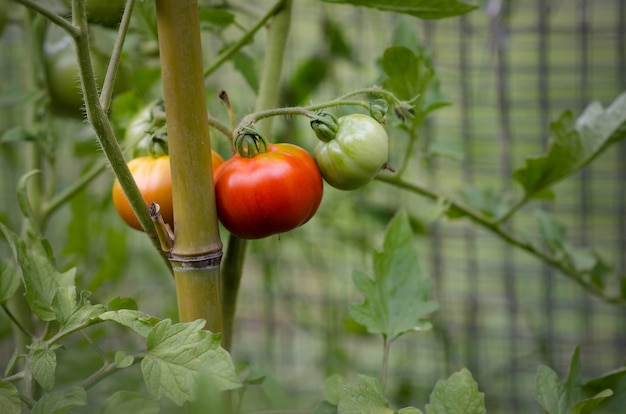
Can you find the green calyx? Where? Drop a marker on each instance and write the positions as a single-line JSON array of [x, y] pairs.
[[325, 126], [379, 109], [249, 143]]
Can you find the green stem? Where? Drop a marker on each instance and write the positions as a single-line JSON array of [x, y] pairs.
[[104, 131], [116, 54], [53, 17], [494, 227], [106, 370], [50, 206], [514, 208], [267, 98], [16, 321], [244, 40], [385, 364]]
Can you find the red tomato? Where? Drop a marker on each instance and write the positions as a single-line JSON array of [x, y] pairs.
[[270, 193]]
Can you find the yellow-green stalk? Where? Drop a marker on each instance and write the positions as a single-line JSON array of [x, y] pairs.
[[197, 248]]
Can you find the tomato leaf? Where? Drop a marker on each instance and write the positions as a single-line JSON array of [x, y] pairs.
[[575, 143], [9, 280], [396, 299], [570, 397], [216, 17], [130, 402], [588, 263], [423, 9], [248, 67], [59, 402], [178, 353], [140, 322], [41, 279], [10, 398], [614, 380], [457, 395], [43, 365], [365, 397]]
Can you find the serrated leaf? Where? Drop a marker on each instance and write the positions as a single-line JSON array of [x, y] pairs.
[[40, 277], [10, 398], [43, 366], [396, 299], [138, 321], [574, 144], [457, 395], [177, 353], [9, 280], [130, 402], [122, 360], [408, 74], [423, 9], [588, 263], [64, 303], [365, 397], [59, 402]]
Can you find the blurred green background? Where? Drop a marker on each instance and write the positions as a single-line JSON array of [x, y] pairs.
[[508, 68]]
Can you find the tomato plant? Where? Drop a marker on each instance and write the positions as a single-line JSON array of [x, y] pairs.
[[63, 76], [269, 191], [104, 12], [353, 150]]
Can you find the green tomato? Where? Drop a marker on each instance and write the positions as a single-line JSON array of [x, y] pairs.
[[358, 151], [63, 77], [104, 12]]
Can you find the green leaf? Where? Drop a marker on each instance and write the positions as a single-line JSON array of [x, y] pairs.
[[122, 360], [549, 390], [423, 9], [409, 410], [41, 279], [587, 263], [43, 365], [130, 402], [396, 299], [59, 402], [9, 280], [177, 353], [574, 144], [408, 74], [332, 388], [586, 406], [138, 321], [614, 380], [365, 397], [571, 397], [457, 395], [248, 67], [10, 398], [17, 134], [122, 303], [216, 17], [64, 302]]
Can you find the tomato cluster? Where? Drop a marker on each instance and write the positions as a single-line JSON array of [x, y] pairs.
[[267, 189]]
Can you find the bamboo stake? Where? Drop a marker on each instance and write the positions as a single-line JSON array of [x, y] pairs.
[[197, 249]]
